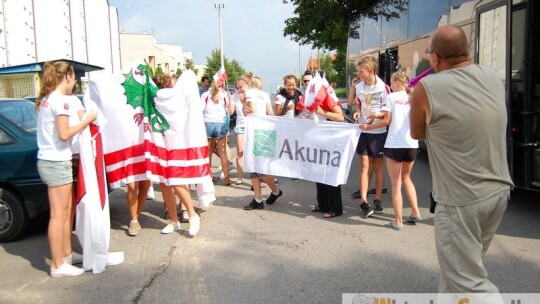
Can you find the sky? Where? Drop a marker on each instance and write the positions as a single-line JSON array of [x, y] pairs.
[[252, 32]]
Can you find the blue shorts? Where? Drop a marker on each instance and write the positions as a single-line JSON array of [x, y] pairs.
[[239, 130], [371, 145], [215, 129], [55, 173]]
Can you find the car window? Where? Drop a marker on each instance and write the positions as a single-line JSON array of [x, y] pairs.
[[21, 113], [5, 138]]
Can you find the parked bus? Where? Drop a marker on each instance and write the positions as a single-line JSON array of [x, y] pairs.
[[501, 34]]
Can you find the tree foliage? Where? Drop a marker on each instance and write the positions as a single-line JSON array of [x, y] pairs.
[[325, 23], [232, 67]]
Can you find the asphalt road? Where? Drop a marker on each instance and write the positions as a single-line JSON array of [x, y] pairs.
[[282, 254]]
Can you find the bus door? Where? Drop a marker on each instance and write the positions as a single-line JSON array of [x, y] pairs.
[[508, 42], [388, 64]]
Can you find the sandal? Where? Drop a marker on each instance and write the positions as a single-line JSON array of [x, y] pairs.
[[330, 214], [313, 208], [227, 181]]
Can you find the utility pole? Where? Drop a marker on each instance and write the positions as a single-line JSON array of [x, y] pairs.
[[219, 8]]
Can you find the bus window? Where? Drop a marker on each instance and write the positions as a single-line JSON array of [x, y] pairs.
[[492, 40]]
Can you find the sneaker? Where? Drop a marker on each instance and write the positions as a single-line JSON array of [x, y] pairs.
[[373, 190], [276, 181], [73, 258], [150, 194], [377, 206], [66, 270], [355, 195], [194, 225], [254, 205], [171, 227], [134, 228], [272, 198], [366, 209]]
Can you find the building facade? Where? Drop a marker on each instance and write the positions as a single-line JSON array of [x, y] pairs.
[[80, 30]]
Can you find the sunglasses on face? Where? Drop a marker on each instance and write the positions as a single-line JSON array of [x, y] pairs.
[[305, 80]]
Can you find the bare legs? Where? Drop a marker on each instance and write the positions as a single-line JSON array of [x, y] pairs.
[[136, 198], [220, 145], [240, 155], [400, 174], [59, 231]]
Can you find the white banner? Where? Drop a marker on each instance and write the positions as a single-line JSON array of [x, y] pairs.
[[300, 148]]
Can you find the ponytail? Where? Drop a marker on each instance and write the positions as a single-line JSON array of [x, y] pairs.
[[53, 74]]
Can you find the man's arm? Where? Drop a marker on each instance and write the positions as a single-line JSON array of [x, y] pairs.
[[420, 110]]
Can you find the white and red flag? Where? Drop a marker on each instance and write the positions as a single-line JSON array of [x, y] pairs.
[[318, 93], [93, 221], [154, 135], [220, 76]]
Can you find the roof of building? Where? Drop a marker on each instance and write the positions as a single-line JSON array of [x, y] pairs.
[[79, 67]]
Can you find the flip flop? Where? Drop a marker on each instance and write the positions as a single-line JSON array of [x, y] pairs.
[[313, 208], [415, 219], [391, 226]]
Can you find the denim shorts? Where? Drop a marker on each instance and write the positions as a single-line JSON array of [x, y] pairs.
[[55, 173], [239, 130], [215, 129]]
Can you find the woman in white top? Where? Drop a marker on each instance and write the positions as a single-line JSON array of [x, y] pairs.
[[400, 150], [55, 106], [217, 107]]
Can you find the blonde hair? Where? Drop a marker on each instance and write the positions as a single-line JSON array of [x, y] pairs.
[[247, 78], [53, 74], [257, 82], [369, 62], [400, 77]]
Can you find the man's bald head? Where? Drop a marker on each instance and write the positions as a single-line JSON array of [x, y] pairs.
[[449, 42]]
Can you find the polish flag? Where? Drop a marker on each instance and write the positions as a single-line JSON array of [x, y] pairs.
[[220, 76], [319, 93]]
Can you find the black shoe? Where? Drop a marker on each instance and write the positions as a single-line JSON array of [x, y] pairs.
[[181, 216], [254, 205], [355, 195], [366, 209], [373, 190], [272, 198], [377, 206]]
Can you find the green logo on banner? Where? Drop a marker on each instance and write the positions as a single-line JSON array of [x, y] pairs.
[[264, 143]]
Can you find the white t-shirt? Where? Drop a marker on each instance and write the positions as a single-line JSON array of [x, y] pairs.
[[399, 131], [281, 100], [259, 99], [373, 99], [50, 146], [239, 107], [214, 111]]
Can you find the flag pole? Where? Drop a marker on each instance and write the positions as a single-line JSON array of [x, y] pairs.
[[219, 7]]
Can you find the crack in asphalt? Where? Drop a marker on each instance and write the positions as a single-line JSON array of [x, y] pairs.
[[162, 267]]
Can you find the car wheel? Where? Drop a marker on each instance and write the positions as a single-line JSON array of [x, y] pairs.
[[13, 218]]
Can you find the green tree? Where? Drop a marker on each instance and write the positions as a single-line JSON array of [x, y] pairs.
[[325, 23], [178, 72], [232, 67], [190, 66], [159, 70]]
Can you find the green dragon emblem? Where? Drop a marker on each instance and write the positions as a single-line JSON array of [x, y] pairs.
[[142, 95]]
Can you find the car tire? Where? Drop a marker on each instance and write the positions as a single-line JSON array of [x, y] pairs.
[[13, 218]]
